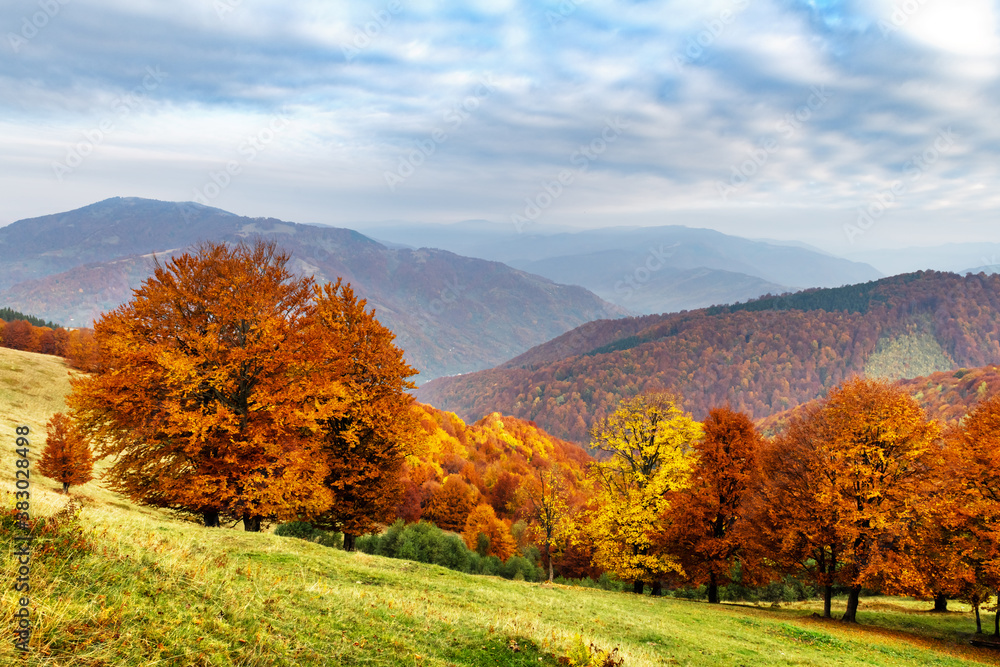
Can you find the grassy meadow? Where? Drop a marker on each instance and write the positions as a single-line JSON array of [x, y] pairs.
[[116, 584]]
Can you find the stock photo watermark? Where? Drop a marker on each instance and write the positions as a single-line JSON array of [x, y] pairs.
[[448, 296], [581, 158], [714, 27], [637, 279], [121, 107], [756, 159], [563, 11], [366, 33], [913, 171], [901, 14], [35, 23], [423, 149]]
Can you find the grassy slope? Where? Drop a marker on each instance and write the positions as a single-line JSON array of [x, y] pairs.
[[146, 589]]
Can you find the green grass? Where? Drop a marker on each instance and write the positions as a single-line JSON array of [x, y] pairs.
[[150, 590], [143, 588]]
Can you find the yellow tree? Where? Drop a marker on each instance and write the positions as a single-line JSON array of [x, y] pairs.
[[648, 439], [543, 500], [213, 389], [66, 457]]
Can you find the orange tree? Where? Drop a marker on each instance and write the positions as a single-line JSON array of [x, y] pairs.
[[704, 513], [848, 491], [213, 389], [974, 450], [363, 444], [649, 440], [793, 520], [66, 457]]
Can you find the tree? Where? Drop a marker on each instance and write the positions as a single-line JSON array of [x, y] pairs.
[[845, 490], [974, 448], [213, 389], [704, 513], [649, 439], [543, 501], [66, 457], [450, 505], [365, 443], [880, 440], [793, 518], [483, 521]]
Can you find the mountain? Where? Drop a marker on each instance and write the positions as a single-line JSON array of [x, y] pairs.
[[946, 396], [451, 314], [761, 357], [646, 269]]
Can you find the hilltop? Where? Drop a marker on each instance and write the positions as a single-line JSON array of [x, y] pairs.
[[762, 357]]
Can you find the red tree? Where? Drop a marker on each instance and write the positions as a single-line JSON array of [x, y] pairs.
[[66, 457]]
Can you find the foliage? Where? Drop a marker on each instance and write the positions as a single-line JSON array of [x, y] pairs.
[[303, 530], [365, 442], [213, 391], [843, 490], [426, 543], [543, 499], [66, 457], [703, 529], [483, 523], [649, 440]]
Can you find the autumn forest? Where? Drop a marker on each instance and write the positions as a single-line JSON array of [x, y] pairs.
[[230, 391]]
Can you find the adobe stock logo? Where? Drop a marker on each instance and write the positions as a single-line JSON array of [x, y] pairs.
[[31, 26]]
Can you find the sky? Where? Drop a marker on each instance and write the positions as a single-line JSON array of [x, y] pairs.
[[851, 126]]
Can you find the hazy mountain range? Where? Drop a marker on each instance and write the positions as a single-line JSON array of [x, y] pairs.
[[451, 314], [644, 269]]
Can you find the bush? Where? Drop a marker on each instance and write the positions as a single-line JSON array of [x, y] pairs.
[[300, 529], [330, 539]]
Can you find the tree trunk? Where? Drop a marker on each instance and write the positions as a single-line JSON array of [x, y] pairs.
[[66, 488], [548, 557], [251, 524], [996, 620], [828, 601], [979, 621], [657, 589], [851, 615], [211, 519], [349, 542], [941, 603], [713, 589], [638, 587]]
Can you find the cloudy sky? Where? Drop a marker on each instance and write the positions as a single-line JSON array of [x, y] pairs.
[[849, 125]]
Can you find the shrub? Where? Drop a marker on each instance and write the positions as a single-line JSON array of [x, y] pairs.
[[299, 529]]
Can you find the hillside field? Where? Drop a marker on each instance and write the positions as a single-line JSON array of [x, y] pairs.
[[124, 585]]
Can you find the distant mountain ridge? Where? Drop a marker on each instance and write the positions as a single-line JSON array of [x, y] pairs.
[[761, 357], [646, 269], [451, 314]]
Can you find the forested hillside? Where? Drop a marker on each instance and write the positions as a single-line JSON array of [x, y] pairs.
[[760, 357]]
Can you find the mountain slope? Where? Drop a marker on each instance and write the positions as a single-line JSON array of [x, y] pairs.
[[451, 314], [762, 357]]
